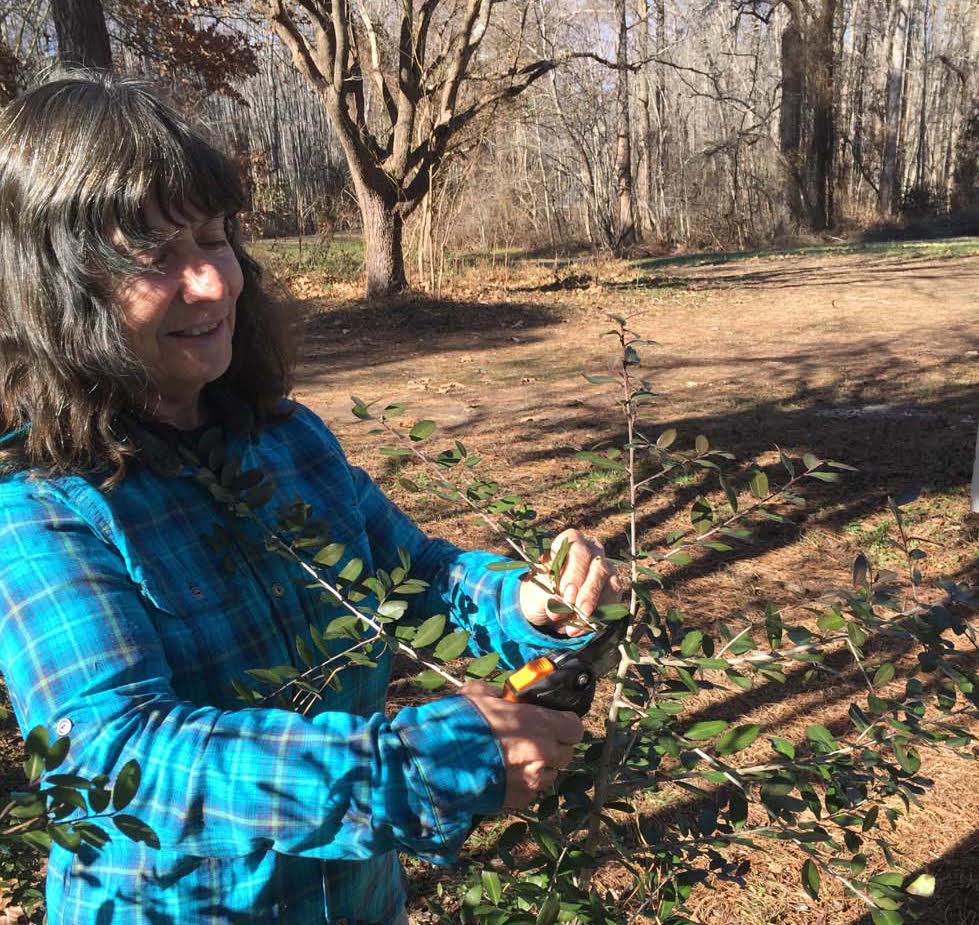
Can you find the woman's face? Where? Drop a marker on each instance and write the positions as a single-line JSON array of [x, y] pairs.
[[180, 314]]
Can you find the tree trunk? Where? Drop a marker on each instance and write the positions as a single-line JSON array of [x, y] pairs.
[[625, 230], [790, 121], [643, 94], [83, 39], [383, 251], [897, 44], [823, 94]]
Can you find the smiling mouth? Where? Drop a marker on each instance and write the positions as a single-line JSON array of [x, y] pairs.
[[200, 330]]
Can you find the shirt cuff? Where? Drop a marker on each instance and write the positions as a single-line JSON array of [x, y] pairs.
[[518, 629], [455, 767]]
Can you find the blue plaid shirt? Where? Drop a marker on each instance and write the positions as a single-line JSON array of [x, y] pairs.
[[123, 628]]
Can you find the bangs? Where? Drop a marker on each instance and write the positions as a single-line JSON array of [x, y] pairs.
[[173, 168], [110, 147]]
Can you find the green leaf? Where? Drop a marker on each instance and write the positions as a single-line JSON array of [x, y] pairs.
[[422, 430], [701, 444], [39, 840], [886, 917], [599, 380], [93, 834], [730, 493], [706, 729], [922, 885], [305, 653], [68, 780], [260, 495], [126, 784], [429, 680], [98, 799], [392, 610], [492, 886], [810, 879], [505, 565], [482, 666], [429, 631], [473, 896], [341, 626], [736, 739], [831, 621], [810, 461], [773, 625], [824, 476], [691, 643], [57, 753], [783, 747], [549, 910], [329, 555], [758, 483], [907, 758], [609, 613], [821, 736], [36, 745], [352, 570], [452, 646], [135, 829], [666, 439], [884, 674], [856, 633], [395, 451], [70, 841]]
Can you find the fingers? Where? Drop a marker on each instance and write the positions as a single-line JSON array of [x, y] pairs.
[[588, 579], [581, 551], [595, 586], [567, 727]]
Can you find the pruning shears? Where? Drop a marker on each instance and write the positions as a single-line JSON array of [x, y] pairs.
[[564, 679]]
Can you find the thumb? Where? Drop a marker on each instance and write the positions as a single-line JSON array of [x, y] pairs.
[[480, 689]]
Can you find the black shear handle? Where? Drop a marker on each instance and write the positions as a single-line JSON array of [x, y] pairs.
[[569, 685]]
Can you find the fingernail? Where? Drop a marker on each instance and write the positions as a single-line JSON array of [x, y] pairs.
[[569, 593]]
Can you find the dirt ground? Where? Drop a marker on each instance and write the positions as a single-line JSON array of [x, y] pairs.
[[871, 358]]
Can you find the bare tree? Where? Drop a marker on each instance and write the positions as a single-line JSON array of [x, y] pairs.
[[897, 34], [625, 224], [397, 88]]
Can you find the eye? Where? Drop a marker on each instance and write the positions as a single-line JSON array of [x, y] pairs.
[[155, 258]]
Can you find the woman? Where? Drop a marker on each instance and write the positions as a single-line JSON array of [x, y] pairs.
[[131, 319]]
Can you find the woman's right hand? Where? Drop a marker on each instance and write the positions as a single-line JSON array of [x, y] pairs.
[[535, 741]]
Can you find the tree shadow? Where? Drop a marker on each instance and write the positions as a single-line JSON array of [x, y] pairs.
[[356, 334], [956, 873]]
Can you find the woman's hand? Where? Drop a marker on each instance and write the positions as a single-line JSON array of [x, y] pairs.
[[535, 741], [586, 581]]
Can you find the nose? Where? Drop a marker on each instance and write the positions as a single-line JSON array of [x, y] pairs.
[[202, 280]]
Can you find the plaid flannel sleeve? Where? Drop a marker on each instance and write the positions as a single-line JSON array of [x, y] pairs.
[[78, 642], [484, 602]]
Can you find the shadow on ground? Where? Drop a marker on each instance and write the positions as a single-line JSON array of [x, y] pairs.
[[355, 334]]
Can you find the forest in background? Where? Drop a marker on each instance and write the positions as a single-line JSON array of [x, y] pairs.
[[447, 124]]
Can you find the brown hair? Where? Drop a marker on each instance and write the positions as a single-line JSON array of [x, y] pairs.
[[79, 158]]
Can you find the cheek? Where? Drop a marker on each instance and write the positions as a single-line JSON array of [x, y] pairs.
[[144, 303], [234, 278]]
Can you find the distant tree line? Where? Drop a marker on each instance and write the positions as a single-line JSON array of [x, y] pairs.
[[622, 122]]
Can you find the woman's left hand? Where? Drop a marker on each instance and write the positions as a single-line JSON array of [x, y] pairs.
[[586, 581]]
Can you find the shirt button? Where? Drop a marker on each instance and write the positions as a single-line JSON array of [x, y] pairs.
[[196, 592], [63, 727], [278, 591]]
